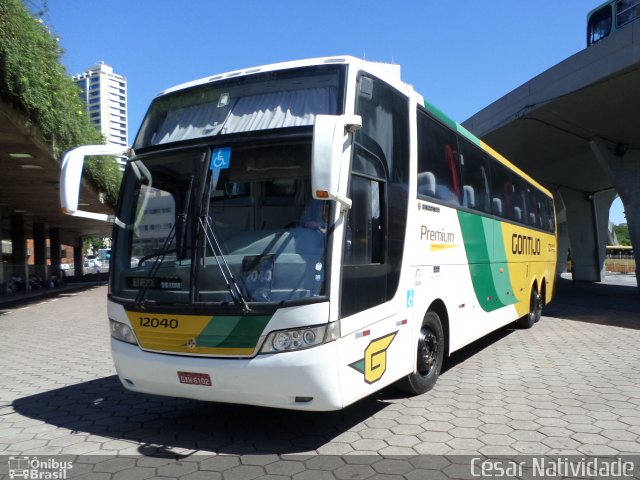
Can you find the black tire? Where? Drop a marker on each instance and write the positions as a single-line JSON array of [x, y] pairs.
[[429, 357], [535, 310]]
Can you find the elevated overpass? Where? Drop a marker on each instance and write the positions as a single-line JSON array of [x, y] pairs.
[[576, 129]]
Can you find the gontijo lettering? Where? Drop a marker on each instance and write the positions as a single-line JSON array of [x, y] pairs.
[[524, 245]]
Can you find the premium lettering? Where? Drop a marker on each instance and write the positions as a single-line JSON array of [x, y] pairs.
[[436, 235]]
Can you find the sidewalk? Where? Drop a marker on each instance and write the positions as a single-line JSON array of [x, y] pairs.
[[13, 299], [614, 302]]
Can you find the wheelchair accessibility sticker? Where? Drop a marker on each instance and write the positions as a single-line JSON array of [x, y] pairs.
[[410, 298], [220, 158]]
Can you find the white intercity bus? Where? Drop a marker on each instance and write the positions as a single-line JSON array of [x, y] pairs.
[[301, 235]]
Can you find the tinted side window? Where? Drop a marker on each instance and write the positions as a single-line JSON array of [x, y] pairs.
[[365, 232], [365, 263], [385, 120], [438, 168], [550, 223], [501, 191], [474, 166], [546, 207], [520, 205]]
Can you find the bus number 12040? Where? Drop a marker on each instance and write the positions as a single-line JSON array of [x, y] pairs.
[[158, 322]]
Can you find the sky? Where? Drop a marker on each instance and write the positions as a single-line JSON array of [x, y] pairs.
[[460, 55]]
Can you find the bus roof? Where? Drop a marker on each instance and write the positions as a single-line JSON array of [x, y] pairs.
[[385, 71], [452, 124]]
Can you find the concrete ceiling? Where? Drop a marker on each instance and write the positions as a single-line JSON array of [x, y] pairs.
[[29, 186], [545, 125]]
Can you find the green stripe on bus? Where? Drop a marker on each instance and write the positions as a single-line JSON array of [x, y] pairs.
[[233, 331], [441, 116], [486, 256]]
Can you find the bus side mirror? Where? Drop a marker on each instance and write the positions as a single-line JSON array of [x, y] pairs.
[[71, 176], [331, 134]]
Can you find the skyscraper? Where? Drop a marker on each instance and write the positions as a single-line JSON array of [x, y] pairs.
[[105, 94]]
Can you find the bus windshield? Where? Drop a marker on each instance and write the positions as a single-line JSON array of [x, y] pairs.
[[249, 103], [191, 228]]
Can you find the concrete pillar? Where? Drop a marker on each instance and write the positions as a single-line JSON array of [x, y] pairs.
[[40, 251], [78, 259], [3, 276], [54, 248], [19, 248], [54, 255], [564, 244], [601, 204], [18, 240], [562, 232], [587, 221], [623, 166]]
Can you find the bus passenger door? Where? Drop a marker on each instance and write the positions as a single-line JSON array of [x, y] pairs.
[[374, 345]]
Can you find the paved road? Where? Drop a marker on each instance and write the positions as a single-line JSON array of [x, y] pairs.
[[569, 386]]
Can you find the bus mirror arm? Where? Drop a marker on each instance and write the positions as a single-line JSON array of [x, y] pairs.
[[331, 137], [345, 202], [103, 217], [71, 179]]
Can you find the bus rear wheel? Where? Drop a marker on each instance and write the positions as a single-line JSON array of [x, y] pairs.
[[535, 310], [429, 357]]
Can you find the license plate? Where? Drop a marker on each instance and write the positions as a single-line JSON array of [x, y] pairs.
[[192, 378]]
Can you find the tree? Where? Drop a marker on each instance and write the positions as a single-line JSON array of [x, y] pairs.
[[33, 81], [92, 244], [622, 233]]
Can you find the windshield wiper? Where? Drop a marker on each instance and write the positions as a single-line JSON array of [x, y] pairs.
[[212, 240], [225, 270], [161, 254], [164, 250]]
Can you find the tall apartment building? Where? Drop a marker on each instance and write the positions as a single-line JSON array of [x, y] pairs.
[[105, 94]]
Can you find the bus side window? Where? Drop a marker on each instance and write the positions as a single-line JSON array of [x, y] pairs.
[[475, 182], [519, 201], [367, 256], [551, 220], [438, 168], [535, 217], [546, 205], [501, 191], [365, 233]]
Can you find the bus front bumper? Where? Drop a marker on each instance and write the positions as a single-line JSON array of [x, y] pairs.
[[301, 380]]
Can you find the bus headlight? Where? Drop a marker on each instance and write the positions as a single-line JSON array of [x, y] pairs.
[[300, 338], [122, 331]]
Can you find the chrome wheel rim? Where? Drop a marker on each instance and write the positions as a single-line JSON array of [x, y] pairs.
[[427, 351], [535, 311]]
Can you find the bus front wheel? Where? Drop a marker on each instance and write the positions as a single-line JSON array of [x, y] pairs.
[[535, 310], [429, 357]]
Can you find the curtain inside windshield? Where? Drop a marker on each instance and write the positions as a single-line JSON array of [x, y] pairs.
[[258, 102]]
